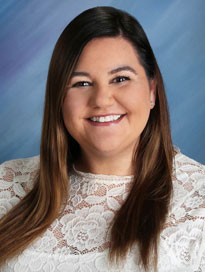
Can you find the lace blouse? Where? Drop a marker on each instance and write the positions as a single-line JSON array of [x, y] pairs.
[[78, 240]]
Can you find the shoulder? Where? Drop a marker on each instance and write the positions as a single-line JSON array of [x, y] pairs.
[[185, 163], [188, 176], [188, 201], [18, 171], [184, 230], [22, 164], [16, 179], [188, 184]]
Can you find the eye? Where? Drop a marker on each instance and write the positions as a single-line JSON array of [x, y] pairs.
[[120, 79], [81, 84]]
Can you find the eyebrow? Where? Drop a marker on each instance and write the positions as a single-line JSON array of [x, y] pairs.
[[79, 74], [114, 71], [122, 68]]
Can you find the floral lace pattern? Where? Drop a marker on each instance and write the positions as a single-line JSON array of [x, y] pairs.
[[79, 239]]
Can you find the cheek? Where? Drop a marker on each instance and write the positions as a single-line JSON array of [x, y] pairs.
[[67, 110], [72, 107], [137, 99], [74, 111]]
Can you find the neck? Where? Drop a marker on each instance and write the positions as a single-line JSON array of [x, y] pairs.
[[119, 165]]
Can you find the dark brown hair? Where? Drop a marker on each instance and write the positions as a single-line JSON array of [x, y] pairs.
[[141, 218]]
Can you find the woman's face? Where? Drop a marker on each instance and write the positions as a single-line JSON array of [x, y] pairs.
[[107, 103]]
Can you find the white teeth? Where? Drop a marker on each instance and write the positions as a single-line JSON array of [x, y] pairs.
[[108, 118], [101, 119]]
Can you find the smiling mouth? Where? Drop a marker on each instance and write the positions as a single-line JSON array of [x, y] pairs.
[[103, 119], [106, 119]]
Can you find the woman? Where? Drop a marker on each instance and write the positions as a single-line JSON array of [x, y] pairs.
[[109, 192]]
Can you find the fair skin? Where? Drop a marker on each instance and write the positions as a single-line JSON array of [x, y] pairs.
[[108, 81]]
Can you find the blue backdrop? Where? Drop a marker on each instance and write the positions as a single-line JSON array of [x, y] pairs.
[[29, 31]]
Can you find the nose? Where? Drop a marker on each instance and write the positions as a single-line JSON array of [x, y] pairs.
[[101, 97]]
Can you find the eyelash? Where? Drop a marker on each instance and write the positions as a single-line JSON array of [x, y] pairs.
[[81, 84], [118, 79]]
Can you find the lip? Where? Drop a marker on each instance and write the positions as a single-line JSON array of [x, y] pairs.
[[105, 124], [104, 115]]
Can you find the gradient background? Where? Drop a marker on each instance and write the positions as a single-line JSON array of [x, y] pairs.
[[29, 31]]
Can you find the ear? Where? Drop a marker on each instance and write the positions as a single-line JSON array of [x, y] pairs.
[[153, 86]]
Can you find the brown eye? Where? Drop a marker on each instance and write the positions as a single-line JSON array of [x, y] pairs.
[[120, 79], [81, 84]]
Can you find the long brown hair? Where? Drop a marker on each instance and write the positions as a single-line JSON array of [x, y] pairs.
[[141, 217]]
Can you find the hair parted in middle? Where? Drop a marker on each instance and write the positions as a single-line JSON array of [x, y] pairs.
[[141, 217]]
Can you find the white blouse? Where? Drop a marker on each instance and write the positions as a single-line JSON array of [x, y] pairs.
[[78, 240]]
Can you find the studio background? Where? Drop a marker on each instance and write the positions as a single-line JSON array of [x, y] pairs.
[[29, 31]]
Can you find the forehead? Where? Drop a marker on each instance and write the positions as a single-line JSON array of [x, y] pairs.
[[106, 52]]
